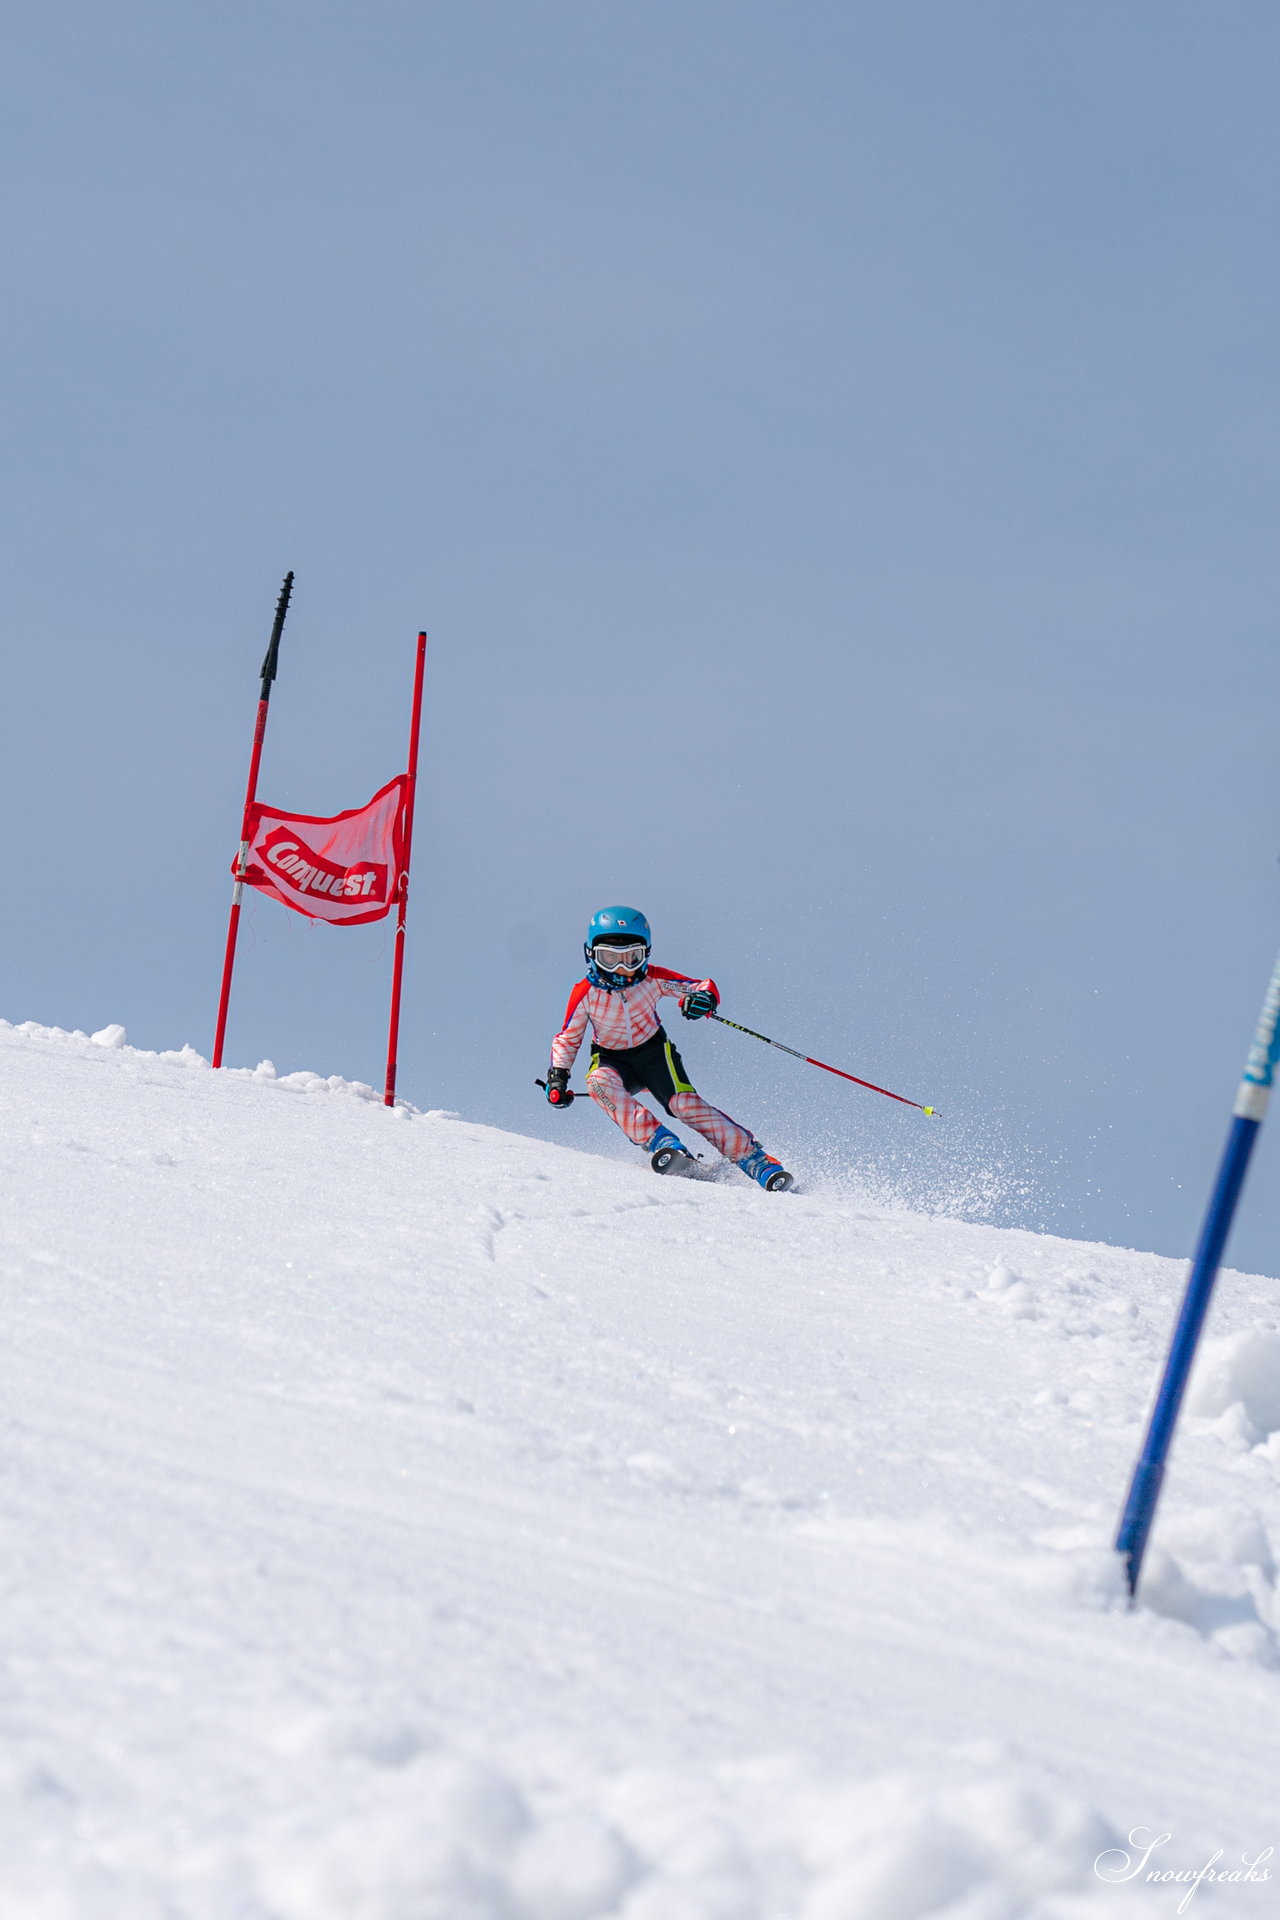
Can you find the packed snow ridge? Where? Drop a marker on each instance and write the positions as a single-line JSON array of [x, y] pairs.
[[405, 1520]]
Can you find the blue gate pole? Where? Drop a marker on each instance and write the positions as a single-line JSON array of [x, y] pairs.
[[1248, 1114]]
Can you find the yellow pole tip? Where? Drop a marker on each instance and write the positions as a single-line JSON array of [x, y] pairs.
[[931, 1110]]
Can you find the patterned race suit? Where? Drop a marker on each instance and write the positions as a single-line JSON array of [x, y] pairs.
[[632, 1053]]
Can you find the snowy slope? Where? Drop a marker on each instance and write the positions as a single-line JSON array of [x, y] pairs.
[[405, 1520]]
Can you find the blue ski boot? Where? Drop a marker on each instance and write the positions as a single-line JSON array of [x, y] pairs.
[[762, 1167], [669, 1155]]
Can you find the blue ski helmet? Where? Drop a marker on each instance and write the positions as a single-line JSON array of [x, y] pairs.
[[620, 924]]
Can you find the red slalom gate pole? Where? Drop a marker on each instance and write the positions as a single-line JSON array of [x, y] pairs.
[[397, 973], [811, 1062], [251, 794]]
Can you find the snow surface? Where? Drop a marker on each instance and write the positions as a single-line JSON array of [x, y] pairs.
[[405, 1520]]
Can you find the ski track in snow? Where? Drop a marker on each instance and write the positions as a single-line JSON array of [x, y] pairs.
[[406, 1520]]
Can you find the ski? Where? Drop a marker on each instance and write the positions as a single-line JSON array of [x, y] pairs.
[[676, 1160]]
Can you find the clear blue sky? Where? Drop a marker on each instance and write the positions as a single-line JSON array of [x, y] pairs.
[[833, 449]]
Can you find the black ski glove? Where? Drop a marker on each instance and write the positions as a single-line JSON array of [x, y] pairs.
[[696, 1006], [558, 1094]]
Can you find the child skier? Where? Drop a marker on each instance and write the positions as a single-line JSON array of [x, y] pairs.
[[632, 1054]]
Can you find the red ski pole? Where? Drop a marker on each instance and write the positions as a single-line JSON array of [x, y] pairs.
[[565, 1098], [811, 1062], [251, 794]]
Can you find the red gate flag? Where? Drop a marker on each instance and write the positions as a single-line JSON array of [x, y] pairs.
[[347, 868]]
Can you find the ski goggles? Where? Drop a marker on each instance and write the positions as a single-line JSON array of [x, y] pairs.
[[613, 959]]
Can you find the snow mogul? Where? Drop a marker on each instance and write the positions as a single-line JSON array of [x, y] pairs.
[[632, 1054]]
